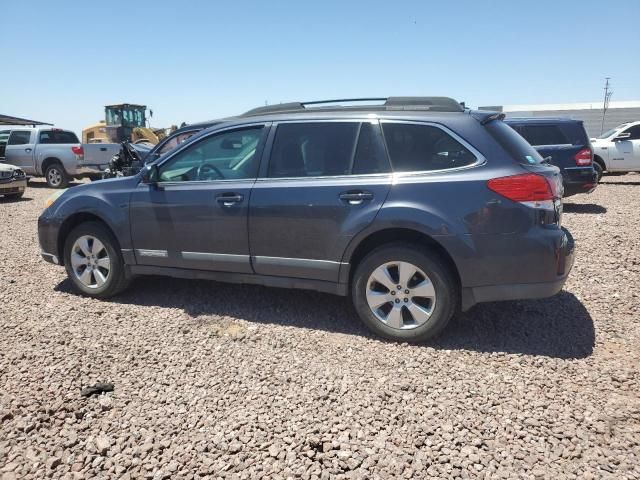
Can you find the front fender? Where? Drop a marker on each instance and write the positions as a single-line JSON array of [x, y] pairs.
[[107, 200]]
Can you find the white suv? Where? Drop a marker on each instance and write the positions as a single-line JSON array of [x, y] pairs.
[[617, 150]]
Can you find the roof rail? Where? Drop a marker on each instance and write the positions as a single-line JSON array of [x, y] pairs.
[[434, 104]]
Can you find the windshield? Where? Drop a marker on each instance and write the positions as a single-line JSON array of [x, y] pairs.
[[611, 132], [608, 133]]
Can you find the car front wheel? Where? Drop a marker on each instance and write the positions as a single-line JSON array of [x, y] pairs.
[[403, 293], [93, 261]]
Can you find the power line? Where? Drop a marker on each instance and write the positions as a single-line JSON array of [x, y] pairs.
[[605, 103]]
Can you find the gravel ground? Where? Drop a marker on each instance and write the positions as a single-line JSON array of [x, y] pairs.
[[215, 380]]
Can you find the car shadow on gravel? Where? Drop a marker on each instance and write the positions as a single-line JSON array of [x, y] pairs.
[[583, 208], [557, 327], [608, 182], [15, 200]]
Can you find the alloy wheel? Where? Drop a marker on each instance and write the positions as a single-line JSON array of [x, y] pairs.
[[400, 295], [54, 176], [90, 261]]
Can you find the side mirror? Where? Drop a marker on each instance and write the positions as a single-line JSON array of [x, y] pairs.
[[622, 136], [150, 174]]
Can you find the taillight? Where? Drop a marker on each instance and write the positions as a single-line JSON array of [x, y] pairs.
[[584, 157], [78, 150], [528, 188]]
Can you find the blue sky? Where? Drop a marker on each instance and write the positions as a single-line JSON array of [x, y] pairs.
[[198, 60]]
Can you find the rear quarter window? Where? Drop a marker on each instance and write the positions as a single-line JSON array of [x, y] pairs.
[[513, 142], [417, 148]]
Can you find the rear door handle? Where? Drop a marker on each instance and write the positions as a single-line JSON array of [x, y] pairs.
[[355, 197], [28, 150], [229, 199], [103, 149]]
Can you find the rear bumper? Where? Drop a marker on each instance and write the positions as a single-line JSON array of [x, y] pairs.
[[86, 169], [579, 180], [565, 256]]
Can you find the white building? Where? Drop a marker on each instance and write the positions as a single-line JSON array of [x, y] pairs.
[[590, 113]]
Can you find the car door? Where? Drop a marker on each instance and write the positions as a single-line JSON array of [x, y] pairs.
[[624, 153], [20, 150], [4, 136], [323, 183], [195, 215]]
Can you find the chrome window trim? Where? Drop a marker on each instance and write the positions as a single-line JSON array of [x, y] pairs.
[[191, 183], [363, 176]]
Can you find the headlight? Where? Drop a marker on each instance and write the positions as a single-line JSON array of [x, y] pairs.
[[18, 173], [52, 198]]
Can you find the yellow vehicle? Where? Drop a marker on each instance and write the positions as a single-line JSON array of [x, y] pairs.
[[124, 121]]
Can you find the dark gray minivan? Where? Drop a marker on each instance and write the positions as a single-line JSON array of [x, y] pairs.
[[413, 206]]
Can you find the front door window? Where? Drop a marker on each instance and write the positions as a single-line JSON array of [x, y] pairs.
[[226, 156]]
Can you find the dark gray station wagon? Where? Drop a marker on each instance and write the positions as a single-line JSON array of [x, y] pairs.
[[414, 206]]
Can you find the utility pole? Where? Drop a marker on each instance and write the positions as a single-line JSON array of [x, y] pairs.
[[605, 104]]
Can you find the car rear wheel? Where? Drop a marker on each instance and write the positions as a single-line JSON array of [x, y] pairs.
[[403, 293], [56, 176], [93, 261]]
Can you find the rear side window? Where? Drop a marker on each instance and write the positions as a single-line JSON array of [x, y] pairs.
[[513, 142], [18, 137], [544, 135], [634, 131], [313, 149], [415, 148], [58, 137]]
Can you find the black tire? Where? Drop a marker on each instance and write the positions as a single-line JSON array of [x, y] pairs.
[[117, 279], [447, 295], [56, 176], [599, 171]]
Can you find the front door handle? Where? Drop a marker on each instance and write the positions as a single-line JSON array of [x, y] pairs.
[[229, 199], [28, 150], [355, 197]]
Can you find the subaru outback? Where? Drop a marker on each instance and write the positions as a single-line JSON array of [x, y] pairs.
[[415, 207]]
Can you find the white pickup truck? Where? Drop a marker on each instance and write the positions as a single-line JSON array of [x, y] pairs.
[[54, 154], [618, 150]]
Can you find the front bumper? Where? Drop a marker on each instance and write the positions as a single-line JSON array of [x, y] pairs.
[[48, 239], [579, 180], [565, 256], [13, 185]]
